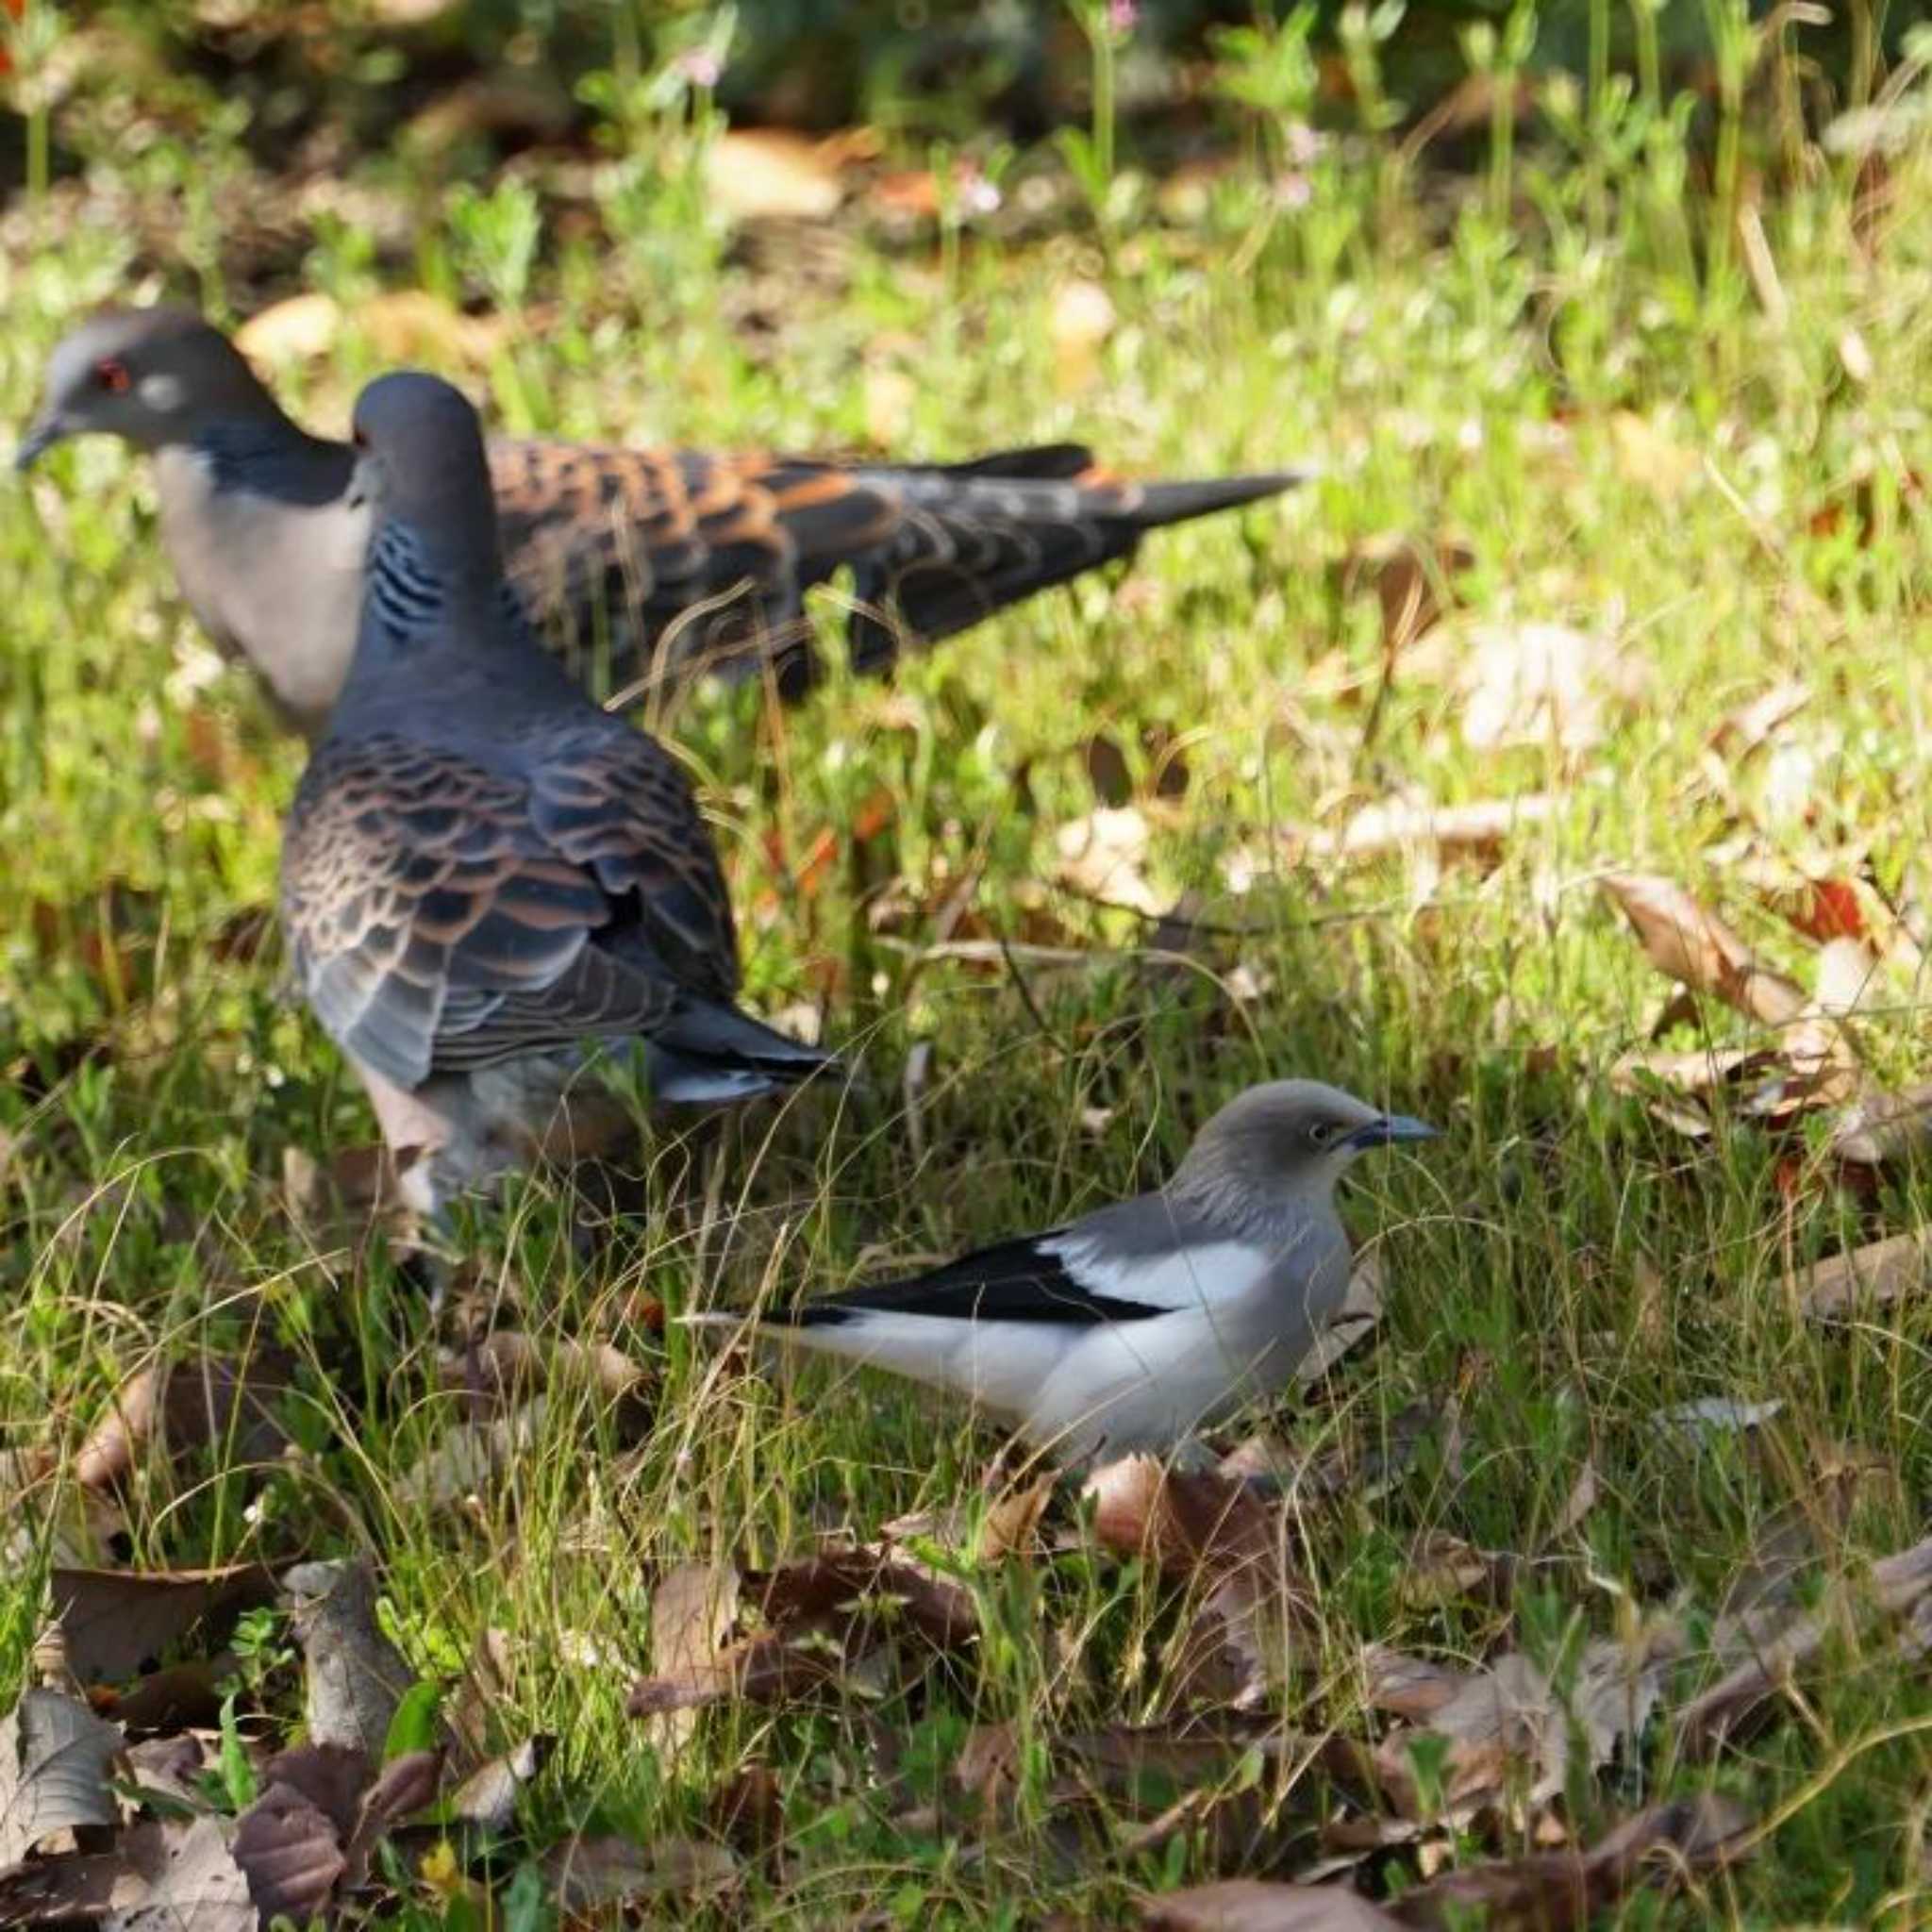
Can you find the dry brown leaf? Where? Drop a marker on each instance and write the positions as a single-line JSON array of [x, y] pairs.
[[1080, 317], [1186, 1521], [1895, 1589], [488, 1797], [118, 1623], [1509, 1731], [1562, 1892], [1741, 731], [56, 1757], [1414, 581], [1540, 685], [1103, 856], [301, 326], [331, 1776], [1871, 1277], [1012, 1524], [196, 1885], [1650, 456], [1479, 830], [1688, 943], [693, 1611], [404, 1786], [181, 1405], [762, 174], [834, 1588], [1884, 1128], [290, 1853], [1258, 1904], [593, 1878]]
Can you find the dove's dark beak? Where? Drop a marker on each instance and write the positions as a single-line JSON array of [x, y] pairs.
[[1390, 1128], [38, 442]]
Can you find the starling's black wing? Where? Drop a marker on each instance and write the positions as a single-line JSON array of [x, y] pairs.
[[1023, 1281]]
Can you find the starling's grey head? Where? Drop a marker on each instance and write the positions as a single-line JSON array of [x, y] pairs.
[[420, 464], [153, 376], [1284, 1142]]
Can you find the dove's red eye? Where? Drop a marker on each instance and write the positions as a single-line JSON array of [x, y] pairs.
[[111, 376], [359, 439]]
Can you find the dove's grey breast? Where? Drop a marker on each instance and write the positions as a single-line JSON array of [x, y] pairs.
[[271, 569]]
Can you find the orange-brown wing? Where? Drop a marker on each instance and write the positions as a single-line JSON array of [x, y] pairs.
[[689, 557], [433, 927], [677, 557]]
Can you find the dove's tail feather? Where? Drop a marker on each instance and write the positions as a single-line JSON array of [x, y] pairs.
[[709, 1053], [678, 1081], [1176, 503]]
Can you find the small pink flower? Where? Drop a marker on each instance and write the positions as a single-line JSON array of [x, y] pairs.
[[698, 67], [1122, 17], [977, 195], [1304, 143], [1292, 190]]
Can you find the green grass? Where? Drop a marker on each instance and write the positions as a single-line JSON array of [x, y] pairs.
[[1631, 438]]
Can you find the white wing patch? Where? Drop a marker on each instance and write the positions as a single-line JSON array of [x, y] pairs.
[[1182, 1279]]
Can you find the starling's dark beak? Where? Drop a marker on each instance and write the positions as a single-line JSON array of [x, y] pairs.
[[1390, 1128], [39, 440]]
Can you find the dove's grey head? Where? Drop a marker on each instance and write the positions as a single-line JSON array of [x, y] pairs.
[[1279, 1146], [153, 376], [421, 465]]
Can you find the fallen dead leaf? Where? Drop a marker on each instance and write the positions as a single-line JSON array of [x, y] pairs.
[[488, 1797], [181, 1405], [1258, 1904], [1897, 1586], [1871, 1277], [1080, 317], [1690, 944], [593, 1878], [55, 1758], [1511, 1731], [693, 1611], [1741, 731], [1414, 581], [290, 1853], [118, 1623], [762, 174], [1540, 685], [1103, 856], [1884, 1128], [1186, 1521], [1480, 830], [403, 1787], [1562, 1892], [194, 1886], [303, 325]]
